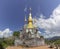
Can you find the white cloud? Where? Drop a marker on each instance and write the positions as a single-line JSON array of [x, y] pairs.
[[50, 25], [5, 33]]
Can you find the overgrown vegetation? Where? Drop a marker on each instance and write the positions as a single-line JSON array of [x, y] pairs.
[[54, 42], [9, 41], [6, 42]]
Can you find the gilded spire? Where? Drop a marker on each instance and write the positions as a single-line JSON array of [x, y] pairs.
[[30, 22], [30, 16]]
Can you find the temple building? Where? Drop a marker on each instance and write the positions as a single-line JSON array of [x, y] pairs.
[[29, 35]]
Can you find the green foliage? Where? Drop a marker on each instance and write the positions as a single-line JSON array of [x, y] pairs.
[[41, 36], [6, 42], [9, 41], [47, 41], [1, 46], [16, 33], [56, 42], [4, 45]]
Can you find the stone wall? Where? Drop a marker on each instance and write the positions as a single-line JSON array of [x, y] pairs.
[[30, 42]]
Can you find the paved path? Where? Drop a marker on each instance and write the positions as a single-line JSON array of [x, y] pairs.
[[18, 47]]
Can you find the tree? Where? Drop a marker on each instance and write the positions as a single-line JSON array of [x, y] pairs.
[[41, 37], [16, 33]]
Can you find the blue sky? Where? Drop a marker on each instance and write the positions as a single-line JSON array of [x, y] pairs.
[[12, 11]]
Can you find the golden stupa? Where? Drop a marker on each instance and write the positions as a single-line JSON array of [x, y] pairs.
[[29, 35]]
